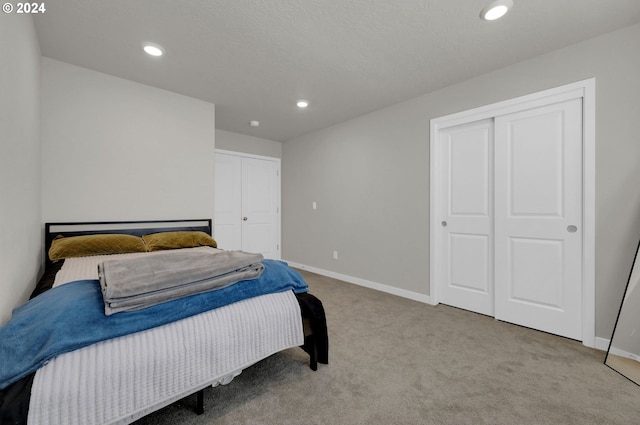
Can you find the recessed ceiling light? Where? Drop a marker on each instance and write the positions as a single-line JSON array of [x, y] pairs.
[[496, 10], [153, 49], [254, 123], [302, 104]]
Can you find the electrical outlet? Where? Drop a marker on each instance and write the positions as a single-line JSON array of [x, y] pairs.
[[335, 255]]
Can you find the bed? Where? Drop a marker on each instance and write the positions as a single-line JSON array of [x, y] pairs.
[[179, 347]]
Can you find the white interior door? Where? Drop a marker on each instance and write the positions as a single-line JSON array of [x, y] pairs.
[[247, 204], [466, 270], [261, 207], [538, 218], [228, 202]]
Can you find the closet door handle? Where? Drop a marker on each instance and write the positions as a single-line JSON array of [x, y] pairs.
[[244, 219], [444, 223], [572, 229]]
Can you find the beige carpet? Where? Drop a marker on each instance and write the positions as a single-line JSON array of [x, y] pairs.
[[396, 361]]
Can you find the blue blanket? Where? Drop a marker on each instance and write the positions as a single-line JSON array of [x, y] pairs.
[[71, 316]]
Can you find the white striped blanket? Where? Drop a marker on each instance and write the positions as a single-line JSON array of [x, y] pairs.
[[120, 380]]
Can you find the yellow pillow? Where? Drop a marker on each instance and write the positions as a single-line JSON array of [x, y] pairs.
[[100, 244], [176, 240]]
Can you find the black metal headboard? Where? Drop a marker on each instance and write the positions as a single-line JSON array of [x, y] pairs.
[[136, 228]]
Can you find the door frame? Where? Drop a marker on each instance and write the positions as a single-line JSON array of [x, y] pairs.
[[278, 162], [584, 90]]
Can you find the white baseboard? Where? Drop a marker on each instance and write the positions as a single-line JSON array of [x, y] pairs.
[[602, 344], [626, 354], [366, 283]]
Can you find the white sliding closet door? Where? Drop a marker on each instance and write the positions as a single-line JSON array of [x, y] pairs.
[[508, 215], [467, 216], [538, 218]]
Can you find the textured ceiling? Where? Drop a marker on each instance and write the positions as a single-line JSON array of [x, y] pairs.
[[255, 58]]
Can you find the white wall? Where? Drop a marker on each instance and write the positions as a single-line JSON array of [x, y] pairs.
[[247, 144], [20, 229], [370, 176], [114, 149]]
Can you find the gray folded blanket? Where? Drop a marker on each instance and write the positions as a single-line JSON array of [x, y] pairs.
[[141, 282]]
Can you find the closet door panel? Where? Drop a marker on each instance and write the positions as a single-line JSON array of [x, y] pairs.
[[538, 218], [260, 207], [227, 228], [466, 275]]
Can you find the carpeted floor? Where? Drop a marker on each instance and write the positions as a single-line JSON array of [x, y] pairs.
[[397, 361]]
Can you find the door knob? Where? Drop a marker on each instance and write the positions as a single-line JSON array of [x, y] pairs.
[[244, 218], [444, 224], [572, 229]]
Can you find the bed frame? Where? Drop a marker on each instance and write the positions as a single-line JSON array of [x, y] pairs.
[[140, 228]]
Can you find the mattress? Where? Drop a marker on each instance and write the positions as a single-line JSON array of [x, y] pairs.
[[82, 268]]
